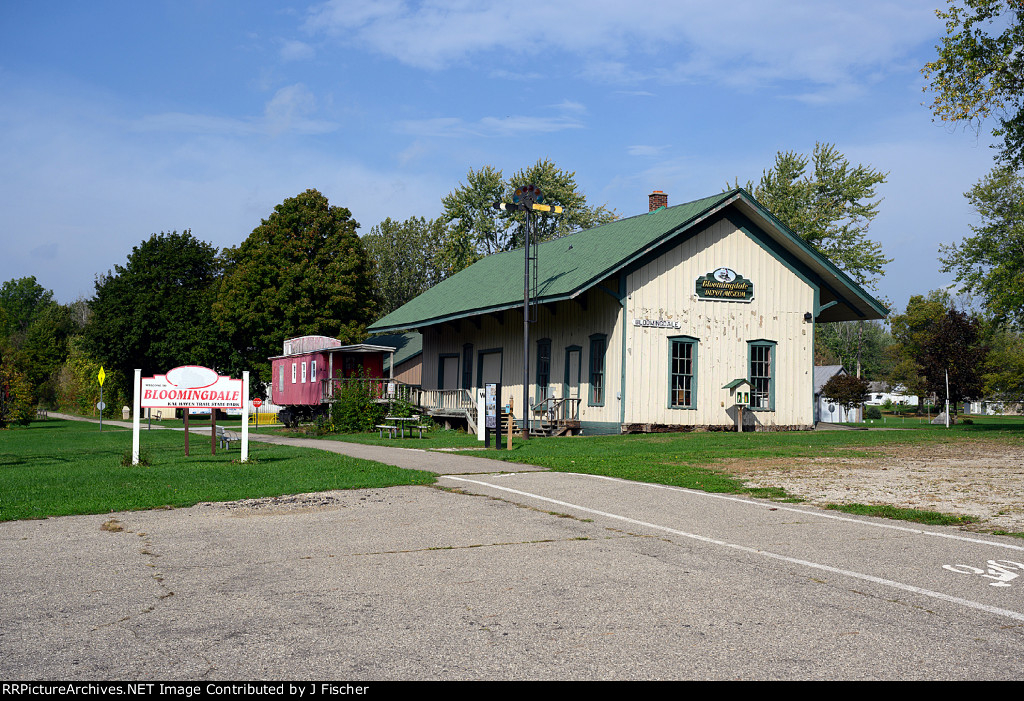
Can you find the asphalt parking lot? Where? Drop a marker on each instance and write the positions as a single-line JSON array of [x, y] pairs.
[[529, 575]]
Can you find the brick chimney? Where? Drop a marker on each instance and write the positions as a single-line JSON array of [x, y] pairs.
[[657, 199]]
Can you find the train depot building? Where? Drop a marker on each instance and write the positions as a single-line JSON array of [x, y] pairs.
[[685, 317]]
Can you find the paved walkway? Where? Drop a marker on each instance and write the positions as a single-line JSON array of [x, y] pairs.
[[408, 458]]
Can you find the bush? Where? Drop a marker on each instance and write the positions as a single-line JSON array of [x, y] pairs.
[[872, 412], [16, 405], [354, 408]]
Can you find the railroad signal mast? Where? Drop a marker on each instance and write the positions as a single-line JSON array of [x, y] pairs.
[[528, 199]]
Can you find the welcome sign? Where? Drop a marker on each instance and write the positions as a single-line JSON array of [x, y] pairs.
[[188, 387], [725, 284], [191, 387]]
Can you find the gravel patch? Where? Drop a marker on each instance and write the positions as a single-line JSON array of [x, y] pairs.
[[964, 478]]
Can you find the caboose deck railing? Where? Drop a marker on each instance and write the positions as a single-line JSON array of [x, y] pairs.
[[378, 389]]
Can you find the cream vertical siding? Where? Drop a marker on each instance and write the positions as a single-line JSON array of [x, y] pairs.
[[566, 323], [664, 289], [661, 289]]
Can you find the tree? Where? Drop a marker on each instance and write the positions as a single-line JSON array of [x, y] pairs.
[[911, 332], [979, 71], [302, 271], [479, 230], [21, 301], [154, 312], [45, 348], [855, 345], [76, 386], [35, 332], [406, 259], [990, 263], [845, 390], [1004, 371], [954, 353], [831, 207], [15, 396]]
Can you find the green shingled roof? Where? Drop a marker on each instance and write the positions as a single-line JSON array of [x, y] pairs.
[[567, 266], [574, 263], [407, 346]]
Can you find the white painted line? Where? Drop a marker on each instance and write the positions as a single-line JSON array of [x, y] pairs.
[[818, 514], [804, 512], [735, 546]]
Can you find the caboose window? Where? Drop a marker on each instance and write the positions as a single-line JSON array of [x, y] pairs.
[[293, 373], [303, 371], [312, 371]]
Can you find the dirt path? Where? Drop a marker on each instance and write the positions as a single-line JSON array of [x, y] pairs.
[[969, 478]]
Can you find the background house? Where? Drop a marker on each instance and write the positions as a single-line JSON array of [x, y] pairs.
[[828, 411]]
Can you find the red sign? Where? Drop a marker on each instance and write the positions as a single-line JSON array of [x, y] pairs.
[[257, 402], [191, 386]]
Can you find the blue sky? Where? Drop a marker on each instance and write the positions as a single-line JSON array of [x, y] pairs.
[[122, 119]]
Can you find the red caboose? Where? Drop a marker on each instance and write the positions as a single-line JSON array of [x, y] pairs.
[[305, 376]]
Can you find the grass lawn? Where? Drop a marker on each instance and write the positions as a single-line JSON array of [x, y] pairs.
[[695, 460], [55, 467]]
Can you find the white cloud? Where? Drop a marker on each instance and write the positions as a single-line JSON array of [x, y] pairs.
[[746, 42], [292, 50], [287, 110], [644, 150], [491, 126]]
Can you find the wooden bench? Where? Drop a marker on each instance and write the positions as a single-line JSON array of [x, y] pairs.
[[225, 437], [392, 430]]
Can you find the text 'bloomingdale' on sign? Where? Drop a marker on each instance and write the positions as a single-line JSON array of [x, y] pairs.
[[191, 387], [725, 284]]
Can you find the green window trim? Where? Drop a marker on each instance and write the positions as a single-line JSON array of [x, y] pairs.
[[567, 378], [480, 364], [597, 389], [440, 367], [682, 372], [543, 364], [467, 366], [761, 364]]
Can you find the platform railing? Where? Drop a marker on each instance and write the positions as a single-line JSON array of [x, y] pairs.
[[554, 409], [446, 399]]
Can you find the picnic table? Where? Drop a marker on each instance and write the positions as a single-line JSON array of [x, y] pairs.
[[401, 421]]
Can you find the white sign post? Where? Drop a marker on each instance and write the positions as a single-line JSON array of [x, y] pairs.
[[135, 418], [245, 415]]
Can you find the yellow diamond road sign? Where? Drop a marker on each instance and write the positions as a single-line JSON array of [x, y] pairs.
[[102, 376]]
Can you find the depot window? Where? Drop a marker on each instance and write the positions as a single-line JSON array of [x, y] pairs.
[[761, 363], [682, 372]]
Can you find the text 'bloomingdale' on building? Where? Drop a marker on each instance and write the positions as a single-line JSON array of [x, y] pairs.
[[661, 321]]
